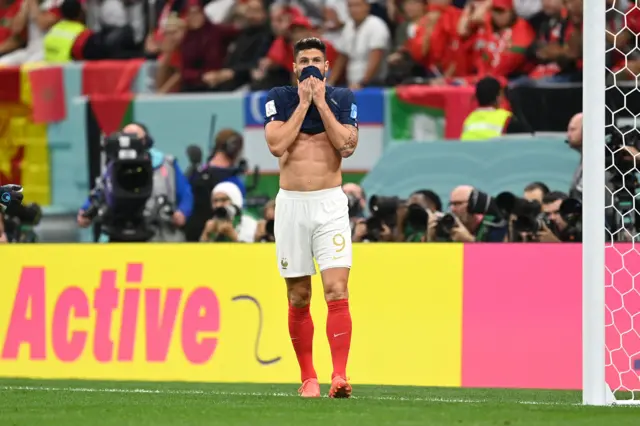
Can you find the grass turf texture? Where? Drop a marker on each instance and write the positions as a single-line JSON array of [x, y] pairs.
[[90, 403]]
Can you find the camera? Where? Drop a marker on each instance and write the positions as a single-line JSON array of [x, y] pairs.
[[444, 227], [383, 212], [528, 214], [127, 184], [225, 212], [20, 221], [355, 208]]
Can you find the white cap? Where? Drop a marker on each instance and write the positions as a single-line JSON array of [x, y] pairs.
[[232, 191]]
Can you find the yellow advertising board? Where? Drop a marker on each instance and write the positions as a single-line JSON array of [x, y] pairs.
[[218, 313]]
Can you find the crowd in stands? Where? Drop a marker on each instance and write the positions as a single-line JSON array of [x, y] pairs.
[[223, 45]]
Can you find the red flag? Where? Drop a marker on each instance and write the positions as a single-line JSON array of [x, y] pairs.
[[109, 77], [10, 84], [457, 103], [47, 91], [109, 110]]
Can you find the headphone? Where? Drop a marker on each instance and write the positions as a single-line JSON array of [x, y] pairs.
[[231, 147], [148, 136]]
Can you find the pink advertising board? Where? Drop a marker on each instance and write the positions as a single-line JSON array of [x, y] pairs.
[[522, 316]]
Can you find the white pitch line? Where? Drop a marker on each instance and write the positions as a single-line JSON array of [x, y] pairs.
[[263, 394]]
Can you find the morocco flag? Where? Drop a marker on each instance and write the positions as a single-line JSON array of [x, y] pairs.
[[426, 113]]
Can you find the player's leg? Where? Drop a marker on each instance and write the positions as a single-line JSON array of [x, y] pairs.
[[295, 261], [301, 332], [332, 249]]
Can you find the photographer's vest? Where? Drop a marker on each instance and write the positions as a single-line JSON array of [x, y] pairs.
[[59, 41], [164, 184], [484, 123]]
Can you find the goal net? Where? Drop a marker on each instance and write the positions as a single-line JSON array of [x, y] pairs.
[[611, 271]]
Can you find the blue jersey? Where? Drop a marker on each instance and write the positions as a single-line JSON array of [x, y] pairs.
[[283, 101]]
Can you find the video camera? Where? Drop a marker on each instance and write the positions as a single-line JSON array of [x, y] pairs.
[[20, 221], [120, 199]]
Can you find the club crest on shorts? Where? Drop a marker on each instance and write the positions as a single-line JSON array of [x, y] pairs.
[[284, 263]]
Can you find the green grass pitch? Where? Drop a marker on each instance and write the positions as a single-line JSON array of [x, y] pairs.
[[90, 403]]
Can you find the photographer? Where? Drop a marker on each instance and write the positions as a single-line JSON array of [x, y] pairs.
[[414, 216], [170, 194], [228, 224], [473, 217], [223, 165], [551, 208], [264, 229]]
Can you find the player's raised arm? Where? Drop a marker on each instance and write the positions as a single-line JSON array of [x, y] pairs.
[[280, 132], [342, 132]]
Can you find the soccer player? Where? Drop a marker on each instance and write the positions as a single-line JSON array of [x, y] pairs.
[[310, 128]]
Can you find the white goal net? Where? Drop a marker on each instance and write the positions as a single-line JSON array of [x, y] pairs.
[[611, 272]]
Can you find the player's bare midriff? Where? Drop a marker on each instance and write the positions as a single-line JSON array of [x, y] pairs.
[[310, 164]]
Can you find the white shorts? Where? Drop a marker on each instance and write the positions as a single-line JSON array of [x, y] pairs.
[[312, 224]]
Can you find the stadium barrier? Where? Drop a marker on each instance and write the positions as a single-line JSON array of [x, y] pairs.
[[483, 315]]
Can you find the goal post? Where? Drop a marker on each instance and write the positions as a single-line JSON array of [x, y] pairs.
[[594, 387], [610, 342]]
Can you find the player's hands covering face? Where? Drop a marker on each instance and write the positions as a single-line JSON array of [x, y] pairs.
[[319, 90], [305, 91]]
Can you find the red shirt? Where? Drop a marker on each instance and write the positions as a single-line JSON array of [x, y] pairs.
[[7, 13], [204, 50], [502, 53], [445, 47]]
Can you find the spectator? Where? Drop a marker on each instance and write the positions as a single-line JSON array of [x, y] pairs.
[[490, 121], [549, 50], [250, 45], [535, 191], [229, 224], [121, 25], [153, 40], [12, 37], [336, 14], [69, 39], [497, 39], [363, 49], [168, 64], [280, 56], [203, 49], [623, 56], [38, 18], [436, 44], [414, 11], [269, 73], [574, 37], [264, 229]]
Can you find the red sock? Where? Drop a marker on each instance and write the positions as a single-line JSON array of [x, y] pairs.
[[301, 332], [339, 335]]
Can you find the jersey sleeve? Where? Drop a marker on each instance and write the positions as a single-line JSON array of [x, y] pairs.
[[273, 107], [348, 109]]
